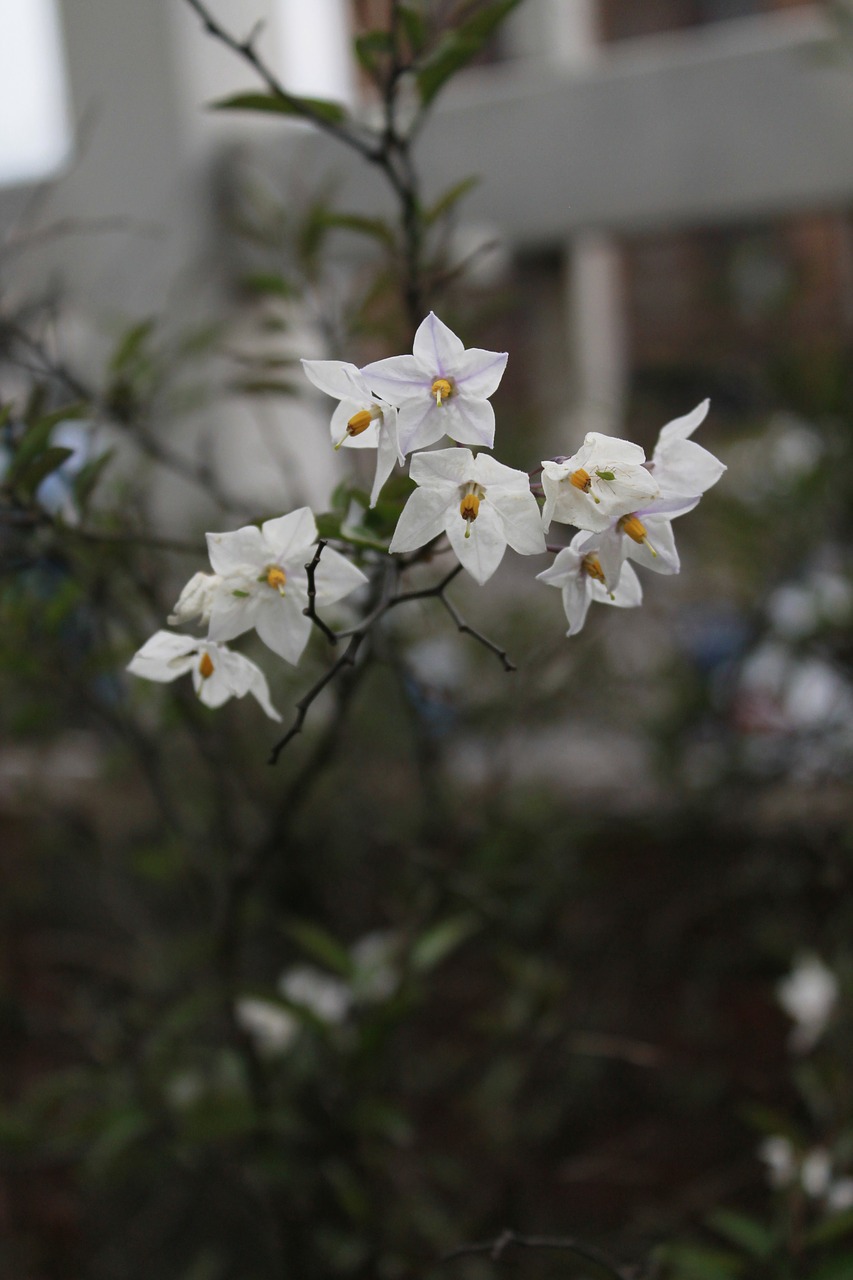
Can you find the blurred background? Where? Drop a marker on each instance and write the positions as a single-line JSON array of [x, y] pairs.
[[566, 951]]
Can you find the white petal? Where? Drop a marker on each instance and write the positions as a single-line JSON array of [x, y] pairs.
[[290, 535], [482, 552], [627, 595], [566, 566], [230, 552], [478, 373], [610, 548], [335, 577], [681, 428], [164, 657], [577, 598], [337, 378], [397, 379], [598, 450], [443, 468], [283, 627], [421, 423], [422, 519], [492, 474], [660, 535], [436, 347], [231, 615], [470, 421], [519, 515], [682, 466], [196, 599], [386, 456]]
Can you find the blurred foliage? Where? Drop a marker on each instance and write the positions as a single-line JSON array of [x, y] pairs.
[[483, 952]]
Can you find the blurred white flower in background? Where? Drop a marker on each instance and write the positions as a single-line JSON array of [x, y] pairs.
[[808, 995], [272, 1028]]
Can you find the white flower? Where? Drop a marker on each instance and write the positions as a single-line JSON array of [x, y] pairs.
[[780, 1157], [196, 599], [482, 506], [839, 1197], [441, 389], [808, 996], [816, 1172], [376, 976], [361, 420], [218, 674], [679, 465], [577, 572], [605, 479], [645, 536], [328, 998], [264, 582], [272, 1028]]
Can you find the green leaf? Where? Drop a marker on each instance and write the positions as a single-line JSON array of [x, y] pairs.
[[263, 387], [88, 477], [320, 945], [271, 103], [452, 196], [838, 1268], [370, 46], [414, 27], [270, 283], [40, 468], [691, 1263], [748, 1234], [832, 1228], [328, 525], [376, 228], [437, 943], [458, 48], [130, 346]]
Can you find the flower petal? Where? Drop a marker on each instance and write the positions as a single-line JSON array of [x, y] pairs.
[[337, 378], [231, 615], [283, 627], [483, 550], [290, 535], [164, 657], [421, 423], [335, 577], [492, 474], [681, 428], [470, 421], [397, 379], [684, 467], [387, 455], [422, 519], [478, 373], [367, 439], [443, 468], [627, 595], [519, 516], [231, 552], [437, 348]]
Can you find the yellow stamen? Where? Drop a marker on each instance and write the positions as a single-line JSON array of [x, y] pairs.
[[276, 578], [581, 480], [442, 390], [359, 422], [636, 530], [205, 667], [592, 568]]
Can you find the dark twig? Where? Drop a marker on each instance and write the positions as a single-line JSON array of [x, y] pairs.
[[347, 659], [495, 1249], [311, 611], [462, 625]]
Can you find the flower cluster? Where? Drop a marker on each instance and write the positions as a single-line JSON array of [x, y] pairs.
[[621, 504]]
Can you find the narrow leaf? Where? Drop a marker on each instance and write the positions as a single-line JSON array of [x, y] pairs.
[[130, 346], [321, 946], [270, 103], [452, 196], [88, 476]]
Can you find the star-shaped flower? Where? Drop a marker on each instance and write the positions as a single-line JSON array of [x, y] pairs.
[[577, 572], [217, 673], [362, 420], [482, 506], [644, 536], [605, 479], [264, 582], [680, 465], [440, 389]]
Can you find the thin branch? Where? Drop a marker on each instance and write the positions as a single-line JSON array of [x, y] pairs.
[[347, 659], [495, 1249], [246, 50], [462, 625], [311, 610]]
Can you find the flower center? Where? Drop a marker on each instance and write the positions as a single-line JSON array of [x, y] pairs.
[[636, 530], [581, 480], [276, 578], [360, 422], [469, 507], [205, 667], [442, 390], [592, 568]]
